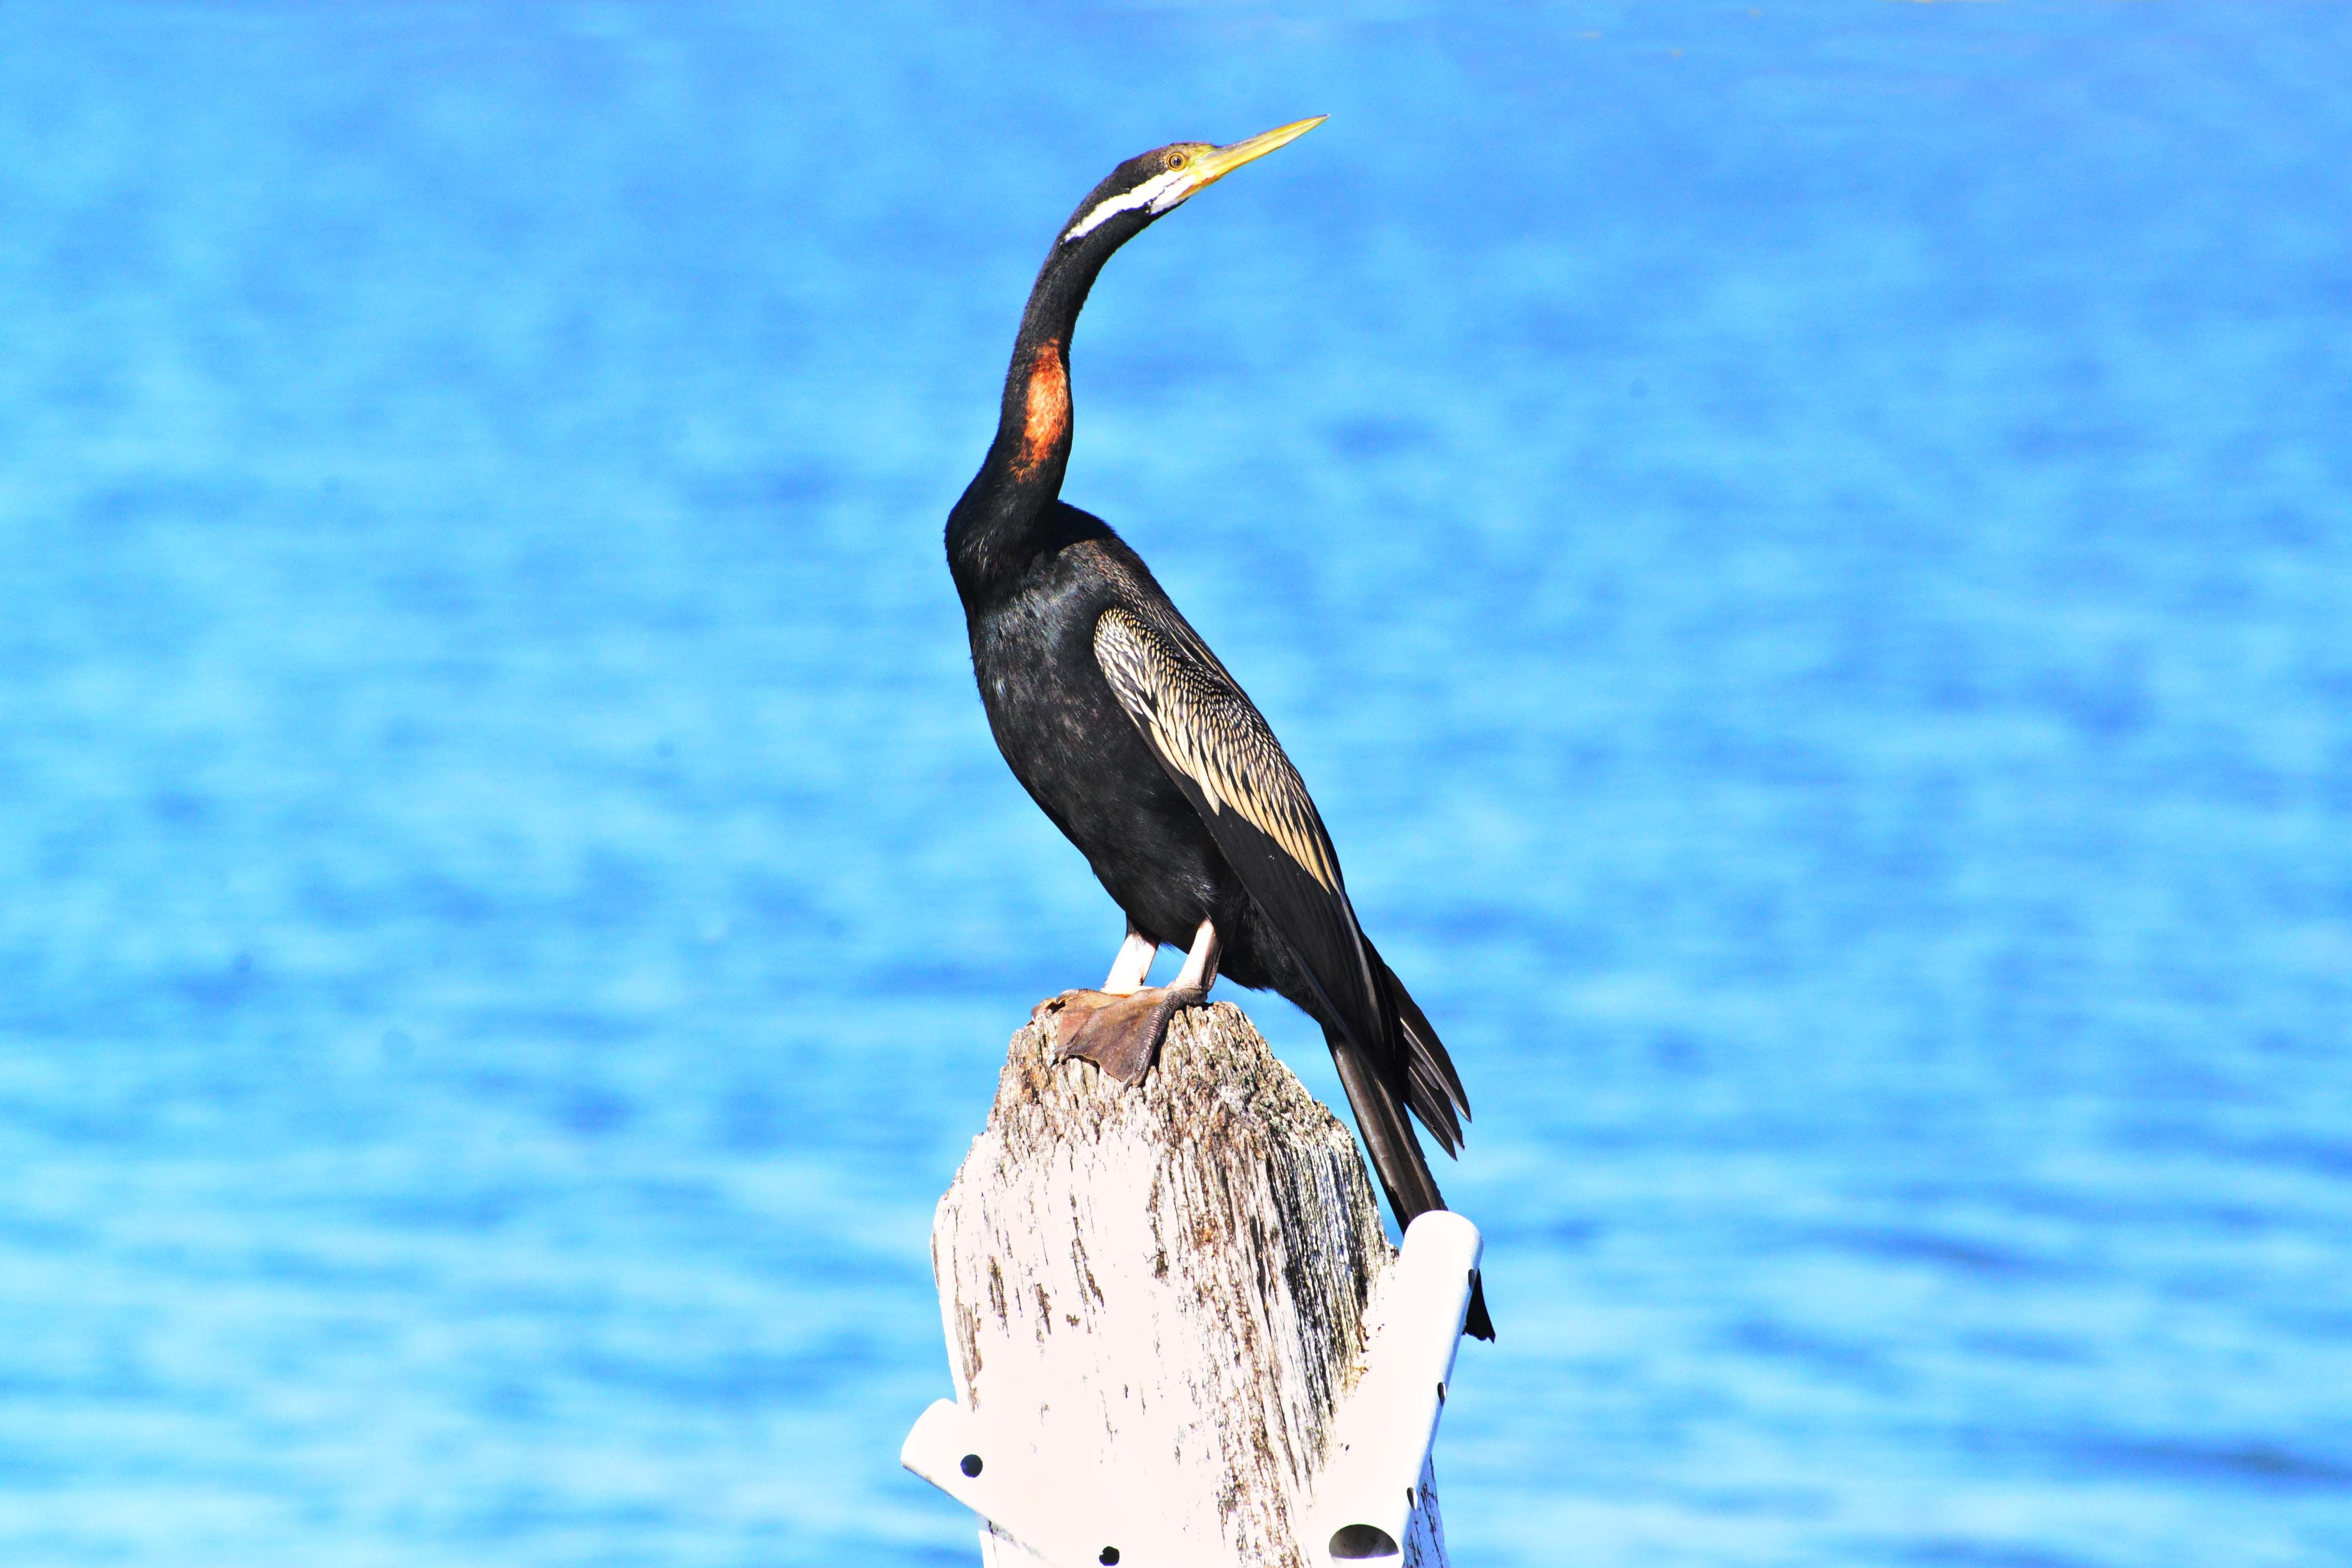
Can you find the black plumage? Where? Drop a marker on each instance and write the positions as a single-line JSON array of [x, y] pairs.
[[1141, 746]]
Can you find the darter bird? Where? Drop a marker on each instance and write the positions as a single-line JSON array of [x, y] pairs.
[[1146, 752]]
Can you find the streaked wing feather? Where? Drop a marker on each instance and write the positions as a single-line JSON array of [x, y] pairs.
[[1220, 750], [1434, 1089]]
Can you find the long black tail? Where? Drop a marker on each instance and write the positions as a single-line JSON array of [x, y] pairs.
[[1396, 1152]]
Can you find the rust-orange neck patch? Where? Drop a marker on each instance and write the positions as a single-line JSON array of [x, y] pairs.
[[1047, 419]]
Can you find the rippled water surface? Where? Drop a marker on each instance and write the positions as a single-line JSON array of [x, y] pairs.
[[1805, 550]]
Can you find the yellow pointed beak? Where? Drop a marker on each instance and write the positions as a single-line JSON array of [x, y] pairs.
[[1216, 163]]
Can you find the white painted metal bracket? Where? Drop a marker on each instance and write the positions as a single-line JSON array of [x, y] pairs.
[[1364, 1496], [1381, 1435], [952, 1448]]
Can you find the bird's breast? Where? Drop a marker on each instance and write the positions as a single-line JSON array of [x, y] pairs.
[[1046, 699], [1075, 750]]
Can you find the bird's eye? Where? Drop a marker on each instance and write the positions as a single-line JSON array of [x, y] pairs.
[[1176, 160]]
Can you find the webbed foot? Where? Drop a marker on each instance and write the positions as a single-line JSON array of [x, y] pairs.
[[1120, 1035]]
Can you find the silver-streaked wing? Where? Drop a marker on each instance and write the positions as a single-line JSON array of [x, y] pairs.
[[1220, 750]]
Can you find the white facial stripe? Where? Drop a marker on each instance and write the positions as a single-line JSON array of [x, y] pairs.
[[1157, 193]]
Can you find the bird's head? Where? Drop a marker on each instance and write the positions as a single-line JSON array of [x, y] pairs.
[[1153, 184]]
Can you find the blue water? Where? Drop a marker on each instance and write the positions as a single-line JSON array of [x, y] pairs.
[[1806, 552]]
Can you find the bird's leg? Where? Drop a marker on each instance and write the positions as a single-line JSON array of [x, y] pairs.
[[1200, 970], [1128, 971], [1127, 976], [1121, 1034], [1133, 963]]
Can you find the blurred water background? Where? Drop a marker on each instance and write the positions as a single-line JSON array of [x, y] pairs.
[[1806, 550]]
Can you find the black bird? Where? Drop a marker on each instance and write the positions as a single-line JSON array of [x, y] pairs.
[[1145, 752]]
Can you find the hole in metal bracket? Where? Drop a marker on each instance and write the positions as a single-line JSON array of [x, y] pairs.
[[970, 1465], [1355, 1542]]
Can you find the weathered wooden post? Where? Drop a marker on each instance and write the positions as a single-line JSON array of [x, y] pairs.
[[1177, 1334]]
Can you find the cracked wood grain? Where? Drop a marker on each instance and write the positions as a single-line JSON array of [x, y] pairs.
[[1159, 1294]]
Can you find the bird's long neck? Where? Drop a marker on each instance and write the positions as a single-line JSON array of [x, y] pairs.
[[1000, 523]]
